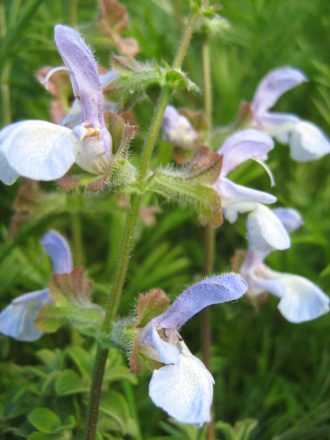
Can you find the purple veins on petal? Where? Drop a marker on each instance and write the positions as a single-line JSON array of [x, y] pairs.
[[58, 249], [213, 290]]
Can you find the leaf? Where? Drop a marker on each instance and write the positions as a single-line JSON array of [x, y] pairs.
[[114, 405], [119, 373], [81, 358], [45, 420], [68, 382], [204, 199], [177, 79]]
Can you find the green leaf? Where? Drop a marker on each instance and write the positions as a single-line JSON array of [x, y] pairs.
[[81, 358], [204, 199], [177, 79], [45, 420], [115, 406], [68, 382]]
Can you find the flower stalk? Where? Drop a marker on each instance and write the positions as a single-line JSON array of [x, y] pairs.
[[127, 242], [5, 75], [206, 321]]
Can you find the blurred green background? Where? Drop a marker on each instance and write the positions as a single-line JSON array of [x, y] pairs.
[[265, 368]]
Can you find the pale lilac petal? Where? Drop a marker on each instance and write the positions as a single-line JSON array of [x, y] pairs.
[[38, 150], [307, 142], [107, 78], [301, 300], [59, 251], [289, 217], [242, 146], [278, 125], [253, 263], [213, 290], [86, 83], [162, 351], [90, 155], [184, 390], [7, 175], [177, 129], [265, 231], [236, 199], [17, 319], [274, 85]]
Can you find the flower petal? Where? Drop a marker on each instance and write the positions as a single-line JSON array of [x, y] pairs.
[[85, 79], [7, 174], [86, 84], [307, 142], [162, 351], [273, 85], [184, 390], [289, 217], [38, 150], [17, 319], [265, 231], [278, 125], [301, 300], [242, 146], [58, 249], [177, 129], [213, 290], [236, 199]]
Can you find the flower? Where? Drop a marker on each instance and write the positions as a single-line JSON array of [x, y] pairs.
[[178, 130], [17, 319], [307, 142], [41, 150], [300, 299], [235, 199], [183, 387]]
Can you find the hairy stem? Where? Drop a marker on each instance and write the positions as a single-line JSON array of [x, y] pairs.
[[127, 241], [206, 330]]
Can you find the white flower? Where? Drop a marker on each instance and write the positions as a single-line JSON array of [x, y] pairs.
[[183, 386], [300, 299], [307, 142]]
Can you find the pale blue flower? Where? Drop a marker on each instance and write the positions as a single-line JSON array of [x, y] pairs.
[[307, 142], [177, 129], [41, 150], [235, 199], [183, 387], [300, 299], [17, 319]]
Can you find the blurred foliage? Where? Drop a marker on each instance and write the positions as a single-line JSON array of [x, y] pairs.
[[266, 369]]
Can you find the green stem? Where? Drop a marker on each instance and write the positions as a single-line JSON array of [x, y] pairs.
[[206, 330], [73, 13], [5, 75], [127, 242]]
